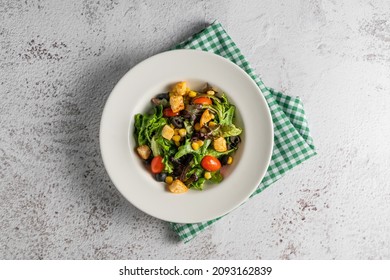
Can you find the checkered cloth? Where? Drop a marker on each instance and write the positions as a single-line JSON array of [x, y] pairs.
[[292, 144]]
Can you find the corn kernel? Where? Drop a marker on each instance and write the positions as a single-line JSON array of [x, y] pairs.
[[195, 146], [176, 132], [210, 92], [200, 143], [230, 160], [192, 94], [197, 126], [171, 125], [182, 132], [177, 143], [176, 138], [212, 124], [207, 175], [169, 180], [212, 116]]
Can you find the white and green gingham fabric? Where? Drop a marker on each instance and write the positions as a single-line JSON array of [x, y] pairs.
[[292, 141]]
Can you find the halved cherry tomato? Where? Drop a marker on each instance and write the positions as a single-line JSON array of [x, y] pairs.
[[210, 163], [167, 112], [157, 165], [202, 101]]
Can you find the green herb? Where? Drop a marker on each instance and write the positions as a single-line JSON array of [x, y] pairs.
[[147, 125], [224, 110], [155, 147], [216, 177], [216, 154], [168, 167], [230, 130], [198, 185], [184, 149]]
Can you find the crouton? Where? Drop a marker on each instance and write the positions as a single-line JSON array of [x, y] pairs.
[[220, 144], [167, 132], [177, 187], [180, 89], [177, 103], [143, 151]]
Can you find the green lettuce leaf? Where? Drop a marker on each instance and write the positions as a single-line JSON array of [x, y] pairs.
[[167, 147], [138, 130], [206, 144], [223, 109], [230, 130], [198, 185], [216, 154], [187, 148], [168, 166], [184, 149], [145, 126], [216, 177], [228, 115], [155, 147], [189, 128]]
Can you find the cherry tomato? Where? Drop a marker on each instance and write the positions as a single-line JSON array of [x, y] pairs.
[[169, 113], [202, 101], [157, 165], [210, 163]]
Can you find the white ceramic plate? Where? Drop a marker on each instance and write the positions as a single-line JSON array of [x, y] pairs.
[[132, 95]]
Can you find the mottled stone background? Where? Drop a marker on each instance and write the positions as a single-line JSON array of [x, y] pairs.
[[59, 61]]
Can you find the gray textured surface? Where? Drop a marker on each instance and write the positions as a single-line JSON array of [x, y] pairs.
[[60, 59]]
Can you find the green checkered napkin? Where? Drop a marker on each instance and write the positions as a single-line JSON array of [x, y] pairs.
[[292, 141]]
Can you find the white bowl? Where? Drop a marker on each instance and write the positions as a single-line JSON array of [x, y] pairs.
[[132, 95]]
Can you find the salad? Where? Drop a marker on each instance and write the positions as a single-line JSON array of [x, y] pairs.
[[188, 137]]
